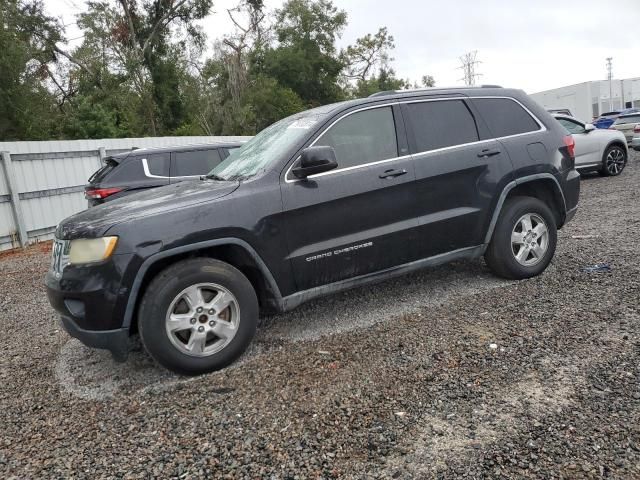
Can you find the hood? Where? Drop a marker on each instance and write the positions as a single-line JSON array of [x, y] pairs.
[[95, 221]]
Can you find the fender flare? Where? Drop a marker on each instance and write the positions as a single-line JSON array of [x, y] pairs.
[[142, 271], [616, 141], [510, 186]]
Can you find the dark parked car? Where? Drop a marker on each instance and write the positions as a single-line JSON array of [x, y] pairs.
[[141, 169], [331, 198]]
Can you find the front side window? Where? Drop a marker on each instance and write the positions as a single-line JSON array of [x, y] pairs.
[[198, 162], [362, 137], [441, 124], [570, 126], [505, 117]]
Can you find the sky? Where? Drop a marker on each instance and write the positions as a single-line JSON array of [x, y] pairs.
[[534, 45]]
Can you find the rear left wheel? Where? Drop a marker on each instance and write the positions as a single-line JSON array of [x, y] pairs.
[[524, 240]]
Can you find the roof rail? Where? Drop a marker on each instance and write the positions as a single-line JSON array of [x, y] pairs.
[[428, 89]]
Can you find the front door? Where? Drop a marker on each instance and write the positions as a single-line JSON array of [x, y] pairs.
[[356, 219]]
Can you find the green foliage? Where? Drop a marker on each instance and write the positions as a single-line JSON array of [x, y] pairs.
[[27, 109], [140, 69]]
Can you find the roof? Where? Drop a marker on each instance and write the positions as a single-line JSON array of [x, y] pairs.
[[178, 148]]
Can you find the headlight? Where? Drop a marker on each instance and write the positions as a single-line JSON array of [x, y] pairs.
[[91, 250]]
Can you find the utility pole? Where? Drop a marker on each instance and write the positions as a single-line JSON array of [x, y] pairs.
[[468, 67], [610, 77]]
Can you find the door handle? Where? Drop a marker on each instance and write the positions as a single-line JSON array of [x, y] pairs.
[[393, 173], [488, 152]]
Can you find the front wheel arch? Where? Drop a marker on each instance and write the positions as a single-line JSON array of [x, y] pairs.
[[235, 252]]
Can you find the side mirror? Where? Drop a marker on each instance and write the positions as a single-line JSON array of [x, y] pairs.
[[589, 127], [315, 160]]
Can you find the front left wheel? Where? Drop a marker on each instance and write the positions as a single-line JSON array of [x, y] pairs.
[[197, 316]]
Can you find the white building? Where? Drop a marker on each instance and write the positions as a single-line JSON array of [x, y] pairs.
[[591, 99]]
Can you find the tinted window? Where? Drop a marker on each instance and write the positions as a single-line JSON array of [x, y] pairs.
[[441, 124], [128, 170], [158, 164], [505, 117], [572, 127], [199, 162], [628, 119], [363, 137]]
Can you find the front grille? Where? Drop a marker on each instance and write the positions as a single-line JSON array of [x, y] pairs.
[[59, 256]]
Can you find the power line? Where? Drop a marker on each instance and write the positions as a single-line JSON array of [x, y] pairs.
[[469, 63]]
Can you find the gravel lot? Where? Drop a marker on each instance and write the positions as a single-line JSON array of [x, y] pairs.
[[447, 373]]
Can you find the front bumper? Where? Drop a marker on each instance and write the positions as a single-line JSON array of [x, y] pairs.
[[116, 341], [91, 303]]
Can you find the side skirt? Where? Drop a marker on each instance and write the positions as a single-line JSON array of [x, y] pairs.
[[292, 301]]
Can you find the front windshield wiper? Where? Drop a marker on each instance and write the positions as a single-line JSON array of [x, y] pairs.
[[213, 176]]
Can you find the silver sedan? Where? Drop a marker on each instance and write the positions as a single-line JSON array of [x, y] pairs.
[[604, 151]]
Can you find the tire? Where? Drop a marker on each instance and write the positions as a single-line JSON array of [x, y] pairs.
[[506, 258], [198, 316], [613, 161]]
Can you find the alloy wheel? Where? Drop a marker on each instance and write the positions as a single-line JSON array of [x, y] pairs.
[[615, 161], [529, 240], [202, 319]]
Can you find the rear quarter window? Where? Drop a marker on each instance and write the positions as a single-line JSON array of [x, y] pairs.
[[128, 170], [505, 117]]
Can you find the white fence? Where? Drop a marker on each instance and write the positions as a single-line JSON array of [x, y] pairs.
[[41, 183]]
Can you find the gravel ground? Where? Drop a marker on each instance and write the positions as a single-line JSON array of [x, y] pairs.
[[466, 376]]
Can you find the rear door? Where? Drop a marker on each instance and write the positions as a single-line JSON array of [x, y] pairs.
[[457, 170], [358, 218], [190, 165]]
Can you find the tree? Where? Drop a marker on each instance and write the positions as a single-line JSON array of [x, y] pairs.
[[28, 110], [369, 52], [146, 44], [305, 58]]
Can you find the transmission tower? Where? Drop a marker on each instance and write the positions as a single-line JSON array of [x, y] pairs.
[[469, 63], [610, 78]]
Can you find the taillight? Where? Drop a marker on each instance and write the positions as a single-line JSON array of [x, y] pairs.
[[636, 129], [570, 143], [100, 193]]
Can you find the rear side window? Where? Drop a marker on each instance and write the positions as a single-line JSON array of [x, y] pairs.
[[158, 164], [363, 137], [441, 124], [198, 162], [505, 117]]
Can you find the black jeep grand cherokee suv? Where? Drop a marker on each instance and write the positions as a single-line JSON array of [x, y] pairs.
[[328, 199]]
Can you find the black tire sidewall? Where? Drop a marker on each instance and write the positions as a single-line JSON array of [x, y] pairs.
[[605, 171], [502, 253], [164, 288]]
